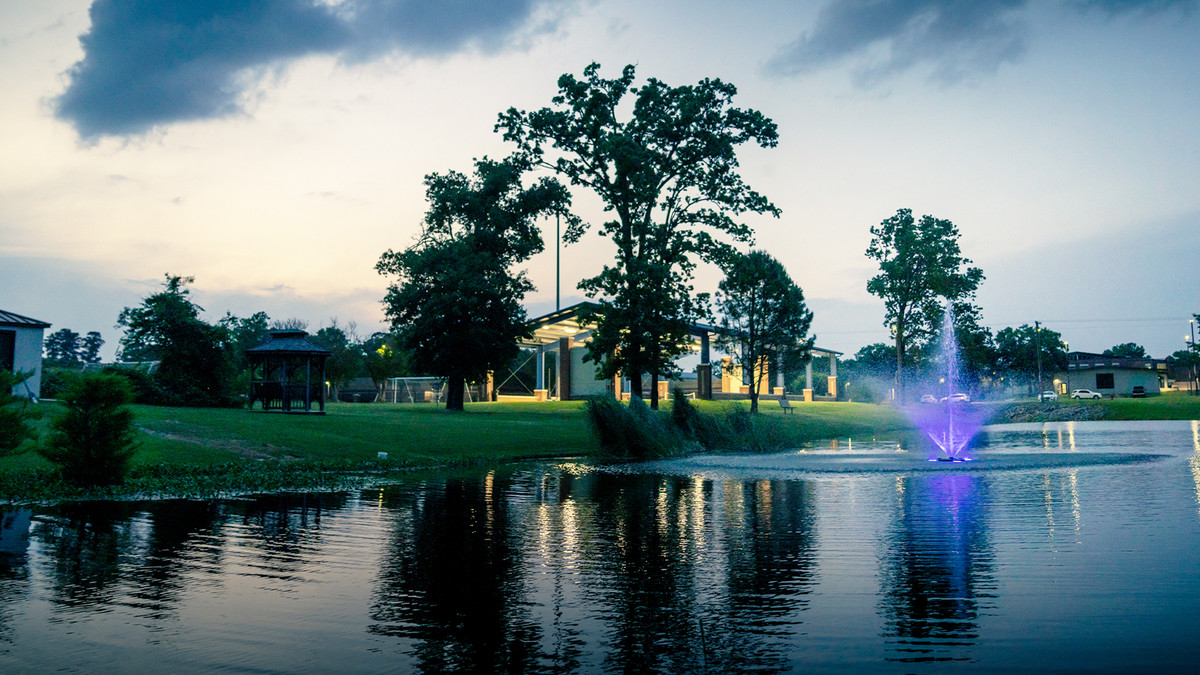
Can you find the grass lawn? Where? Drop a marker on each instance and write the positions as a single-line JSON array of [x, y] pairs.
[[198, 450], [201, 451], [1172, 405]]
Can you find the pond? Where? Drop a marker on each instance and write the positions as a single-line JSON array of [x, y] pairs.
[[1076, 549]]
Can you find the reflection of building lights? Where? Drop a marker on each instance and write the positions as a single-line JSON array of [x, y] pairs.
[[1195, 461], [1071, 436], [1073, 479]]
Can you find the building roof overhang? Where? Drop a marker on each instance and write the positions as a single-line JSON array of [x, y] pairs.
[[9, 319]]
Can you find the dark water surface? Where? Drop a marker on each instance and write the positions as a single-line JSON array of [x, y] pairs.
[[760, 564]]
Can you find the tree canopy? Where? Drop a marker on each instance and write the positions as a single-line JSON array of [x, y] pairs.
[[763, 317], [1127, 350], [1017, 352], [920, 268], [668, 175], [457, 306], [166, 327]]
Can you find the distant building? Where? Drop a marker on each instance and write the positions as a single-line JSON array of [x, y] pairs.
[[21, 350], [1110, 375]]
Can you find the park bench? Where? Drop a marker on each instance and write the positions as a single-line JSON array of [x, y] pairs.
[[785, 404]]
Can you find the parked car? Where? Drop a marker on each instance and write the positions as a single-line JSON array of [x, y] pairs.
[[956, 398], [1085, 393], [928, 398], [1138, 392], [1048, 396]]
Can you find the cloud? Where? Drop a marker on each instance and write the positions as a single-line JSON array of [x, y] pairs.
[[148, 63], [957, 40]]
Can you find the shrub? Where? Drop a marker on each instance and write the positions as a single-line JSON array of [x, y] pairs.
[[56, 380], [634, 431], [14, 413], [93, 441]]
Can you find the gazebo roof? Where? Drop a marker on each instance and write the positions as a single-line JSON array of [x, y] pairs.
[[288, 343]]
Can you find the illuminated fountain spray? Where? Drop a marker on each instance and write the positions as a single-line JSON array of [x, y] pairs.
[[951, 426]]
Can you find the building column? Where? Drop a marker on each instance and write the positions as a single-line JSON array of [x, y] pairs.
[[779, 384], [539, 386], [564, 368], [808, 388], [833, 376]]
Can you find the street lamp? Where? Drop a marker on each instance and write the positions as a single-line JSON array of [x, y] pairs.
[[1192, 347], [1189, 341], [1067, 346]]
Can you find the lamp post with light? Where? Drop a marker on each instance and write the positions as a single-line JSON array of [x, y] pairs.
[[1192, 346]]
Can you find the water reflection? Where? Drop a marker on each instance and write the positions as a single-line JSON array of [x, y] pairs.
[[569, 569], [936, 567], [449, 582], [566, 573], [14, 572]]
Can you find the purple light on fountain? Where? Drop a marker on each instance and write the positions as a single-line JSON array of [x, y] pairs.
[[949, 423]]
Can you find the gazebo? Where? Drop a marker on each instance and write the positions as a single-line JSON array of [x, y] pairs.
[[287, 373]]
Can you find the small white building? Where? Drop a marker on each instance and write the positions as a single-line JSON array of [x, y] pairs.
[[21, 350]]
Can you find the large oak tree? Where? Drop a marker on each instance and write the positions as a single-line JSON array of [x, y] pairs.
[[665, 166]]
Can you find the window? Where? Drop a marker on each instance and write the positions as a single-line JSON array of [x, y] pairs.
[[1104, 381], [8, 349]]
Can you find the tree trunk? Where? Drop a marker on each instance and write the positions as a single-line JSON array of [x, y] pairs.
[[899, 367], [454, 392], [654, 390], [635, 384]]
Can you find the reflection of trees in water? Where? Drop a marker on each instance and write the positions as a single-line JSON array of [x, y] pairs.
[[702, 575], [935, 567], [282, 530], [14, 567], [85, 544], [451, 583], [170, 551], [547, 572], [104, 553]]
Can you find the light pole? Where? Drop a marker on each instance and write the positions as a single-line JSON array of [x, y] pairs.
[[1037, 340], [1192, 349], [1067, 346]]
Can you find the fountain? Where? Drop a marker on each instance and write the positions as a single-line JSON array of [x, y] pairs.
[[949, 422]]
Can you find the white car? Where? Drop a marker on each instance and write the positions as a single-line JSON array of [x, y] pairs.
[[1085, 393], [957, 398], [1048, 396], [928, 398]]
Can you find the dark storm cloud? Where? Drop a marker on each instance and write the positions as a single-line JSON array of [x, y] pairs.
[[956, 39], [153, 62]]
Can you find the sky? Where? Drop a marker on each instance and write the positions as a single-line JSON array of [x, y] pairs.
[[273, 149]]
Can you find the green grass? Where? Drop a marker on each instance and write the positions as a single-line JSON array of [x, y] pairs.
[[1172, 405], [202, 451]]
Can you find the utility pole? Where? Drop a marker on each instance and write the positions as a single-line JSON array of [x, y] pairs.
[[557, 264], [1037, 340]]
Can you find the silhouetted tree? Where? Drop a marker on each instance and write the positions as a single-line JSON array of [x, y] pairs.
[[669, 176], [1127, 350], [457, 306], [763, 317], [89, 347], [920, 267], [167, 327], [1017, 352], [62, 348], [345, 357]]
